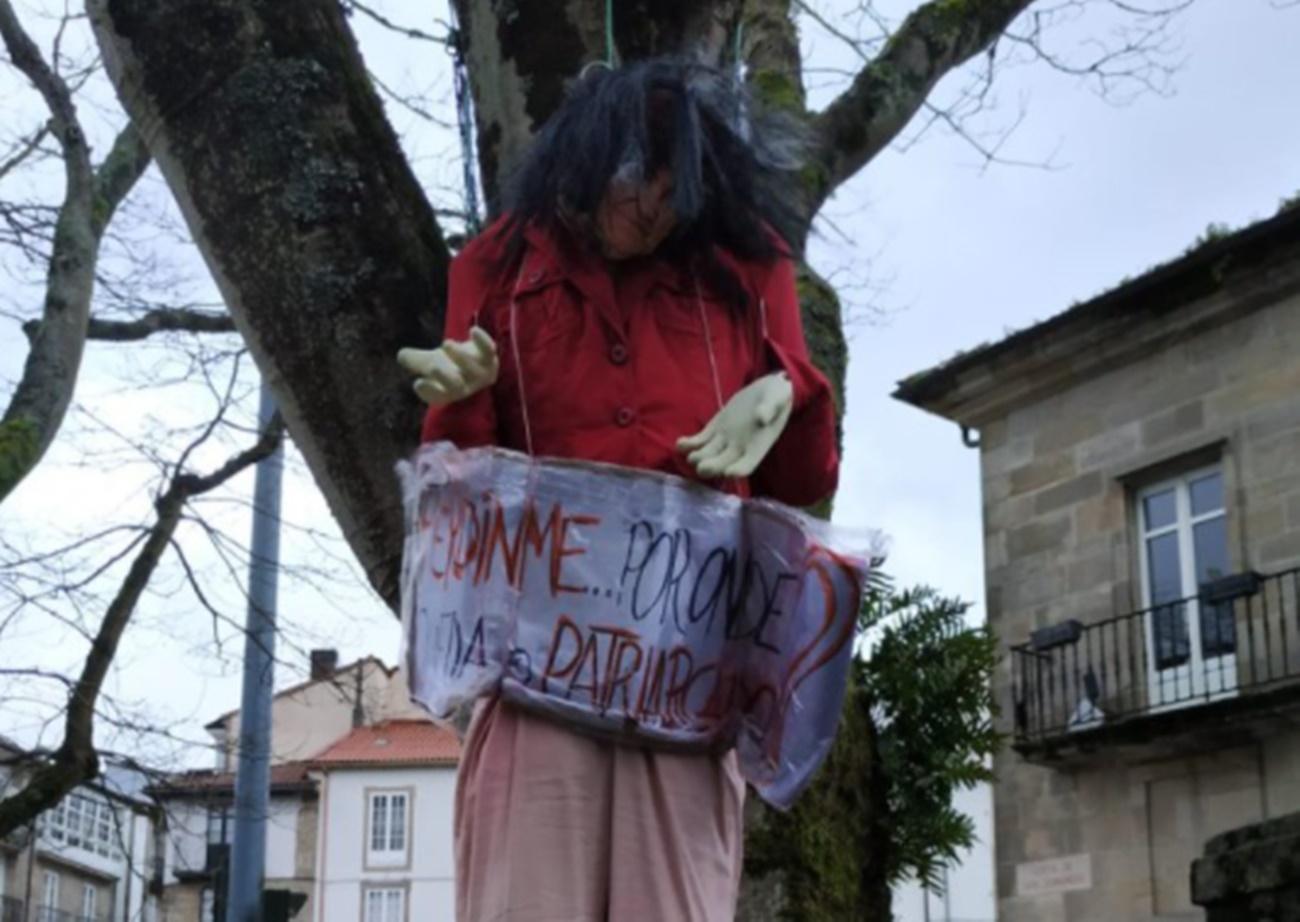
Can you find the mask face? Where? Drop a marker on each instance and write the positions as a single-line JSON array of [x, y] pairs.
[[635, 217]]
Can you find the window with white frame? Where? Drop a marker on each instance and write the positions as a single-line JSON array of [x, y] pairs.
[[385, 904], [388, 837], [84, 822], [1184, 535], [89, 898], [49, 894]]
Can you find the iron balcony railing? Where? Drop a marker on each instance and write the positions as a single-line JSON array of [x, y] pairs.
[[11, 910], [1239, 635]]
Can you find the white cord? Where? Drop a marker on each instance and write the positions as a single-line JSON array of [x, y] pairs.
[[708, 342], [519, 365]]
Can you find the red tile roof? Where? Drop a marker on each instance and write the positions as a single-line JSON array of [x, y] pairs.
[[393, 742]]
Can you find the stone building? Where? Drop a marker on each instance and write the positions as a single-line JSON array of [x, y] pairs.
[[1140, 467]]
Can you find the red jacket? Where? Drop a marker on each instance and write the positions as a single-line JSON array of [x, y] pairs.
[[618, 368]]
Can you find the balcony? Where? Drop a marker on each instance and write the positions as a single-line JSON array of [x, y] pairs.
[[1185, 666], [216, 860]]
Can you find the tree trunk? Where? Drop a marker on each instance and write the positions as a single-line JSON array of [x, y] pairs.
[[271, 137]]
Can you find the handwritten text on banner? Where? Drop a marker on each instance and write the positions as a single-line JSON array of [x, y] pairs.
[[630, 604]]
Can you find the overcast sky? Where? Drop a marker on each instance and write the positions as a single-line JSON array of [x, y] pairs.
[[956, 253]]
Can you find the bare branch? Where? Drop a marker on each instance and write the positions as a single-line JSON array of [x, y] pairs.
[[161, 320], [931, 42], [76, 761], [27, 58], [40, 401], [412, 104], [1141, 59], [25, 149], [864, 47], [156, 320], [408, 31], [954, 116]]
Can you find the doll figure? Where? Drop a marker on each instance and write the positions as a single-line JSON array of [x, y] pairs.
[[636, 305]]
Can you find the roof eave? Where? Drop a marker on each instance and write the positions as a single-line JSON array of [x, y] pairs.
[[370, 765], [975, 385]]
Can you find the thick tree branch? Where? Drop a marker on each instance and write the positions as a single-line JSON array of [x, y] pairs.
[[931, 42], [407, 31], [117, 175], [41, 399], [156, 320], [76, 761], [774, 72], [42, 396]]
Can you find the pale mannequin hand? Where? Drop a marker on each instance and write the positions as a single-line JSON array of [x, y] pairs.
[[741, 434], [453, 371]]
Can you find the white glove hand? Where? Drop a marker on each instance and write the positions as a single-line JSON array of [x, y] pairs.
[[453, 371], [739, 437]]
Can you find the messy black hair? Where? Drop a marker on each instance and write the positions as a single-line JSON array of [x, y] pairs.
[[730, 161]]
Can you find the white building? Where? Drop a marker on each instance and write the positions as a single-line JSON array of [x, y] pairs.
[[92, 857], [386, 825]]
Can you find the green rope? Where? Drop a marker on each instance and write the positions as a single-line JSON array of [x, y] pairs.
[[611, 52]]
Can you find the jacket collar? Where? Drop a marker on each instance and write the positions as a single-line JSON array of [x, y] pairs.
[[549, 259]]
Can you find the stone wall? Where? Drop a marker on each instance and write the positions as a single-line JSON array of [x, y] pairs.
[[1251, 874], [1059, 479]]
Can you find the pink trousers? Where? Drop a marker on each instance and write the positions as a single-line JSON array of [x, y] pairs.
[[553, 826]]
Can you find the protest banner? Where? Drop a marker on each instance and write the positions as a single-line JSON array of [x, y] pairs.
[[630, 604]]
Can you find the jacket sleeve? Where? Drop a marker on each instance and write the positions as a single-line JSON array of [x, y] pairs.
[[803, 466], [471, 422]]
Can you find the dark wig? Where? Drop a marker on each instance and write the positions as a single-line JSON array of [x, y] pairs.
[[731, 163]]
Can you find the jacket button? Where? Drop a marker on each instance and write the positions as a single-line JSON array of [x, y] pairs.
[[624, 416], [618, 354]]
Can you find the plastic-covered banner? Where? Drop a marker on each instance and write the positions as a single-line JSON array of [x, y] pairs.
[[631, 604]]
